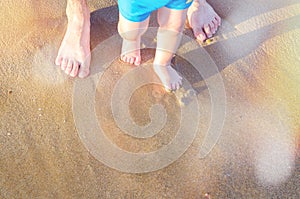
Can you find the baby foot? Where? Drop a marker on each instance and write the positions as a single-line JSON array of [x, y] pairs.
[[131, 52], [168, 76]]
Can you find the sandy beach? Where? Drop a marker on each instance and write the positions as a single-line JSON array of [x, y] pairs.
[[245, 88]]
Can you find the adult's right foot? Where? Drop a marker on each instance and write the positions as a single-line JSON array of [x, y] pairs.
[[74, 55], [203, 19]]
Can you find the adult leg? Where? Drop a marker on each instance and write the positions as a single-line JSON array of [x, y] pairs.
[[131, 33], [74, 53], [203, 19], [171, 24]]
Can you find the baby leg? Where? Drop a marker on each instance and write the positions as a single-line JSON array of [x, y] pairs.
[[171, 23], [131, 33]]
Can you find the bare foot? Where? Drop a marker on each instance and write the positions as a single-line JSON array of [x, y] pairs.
[[74, 54], [168, 76], [131, 52], [203, 20]]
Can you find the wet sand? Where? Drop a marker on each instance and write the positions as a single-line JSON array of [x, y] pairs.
[[257, 155]]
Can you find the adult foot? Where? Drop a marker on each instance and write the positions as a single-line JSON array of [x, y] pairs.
[[168, 76], [74, 54], [131, 52], [203, 20]]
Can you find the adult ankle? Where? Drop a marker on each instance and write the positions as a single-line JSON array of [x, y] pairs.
[[78, 14]]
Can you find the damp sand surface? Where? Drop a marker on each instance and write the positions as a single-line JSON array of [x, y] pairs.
[[256, 51]]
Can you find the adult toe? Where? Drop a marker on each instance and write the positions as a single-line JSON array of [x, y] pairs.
[[199, 34], [74, 71], [69, 67], [207, 30], [219, 20], [64, 64], [84, 71], [216, 24], [213, 27]]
